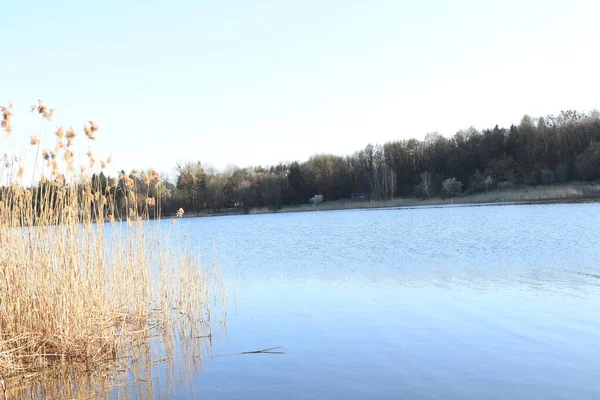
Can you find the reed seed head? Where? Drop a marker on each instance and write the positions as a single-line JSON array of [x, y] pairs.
[[6, 119], [70, 136], [43, 110], [44, 320], [90, 130]]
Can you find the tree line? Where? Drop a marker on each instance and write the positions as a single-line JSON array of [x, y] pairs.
[[556, 148], [546, 150]]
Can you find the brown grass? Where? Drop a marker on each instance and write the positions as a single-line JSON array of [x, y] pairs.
[[563, 192], [77, 285]]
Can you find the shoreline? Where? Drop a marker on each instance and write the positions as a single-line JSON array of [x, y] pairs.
[[557, 194]]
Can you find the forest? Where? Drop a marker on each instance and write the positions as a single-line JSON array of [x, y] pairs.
[[546, 150]]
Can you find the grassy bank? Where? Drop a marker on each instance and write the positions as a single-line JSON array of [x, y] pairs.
[[562, 193], [567, 192], [80, 289]]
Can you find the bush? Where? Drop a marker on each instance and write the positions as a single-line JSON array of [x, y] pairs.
[[488, 183], [316, 199], [452, 187], [481, 182]]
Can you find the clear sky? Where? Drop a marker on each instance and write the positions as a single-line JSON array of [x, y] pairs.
[[258, 82]]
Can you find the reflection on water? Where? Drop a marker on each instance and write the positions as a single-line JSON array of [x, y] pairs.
[[146, 371]]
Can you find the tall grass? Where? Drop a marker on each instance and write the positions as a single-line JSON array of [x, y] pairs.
[[80, 284]]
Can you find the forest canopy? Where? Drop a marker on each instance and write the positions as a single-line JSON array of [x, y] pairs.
[[556, 148]]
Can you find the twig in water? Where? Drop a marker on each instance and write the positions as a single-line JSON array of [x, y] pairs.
[[263, 351]]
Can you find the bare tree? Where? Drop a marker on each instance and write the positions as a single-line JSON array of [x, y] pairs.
[[426, 180], [392, 182]]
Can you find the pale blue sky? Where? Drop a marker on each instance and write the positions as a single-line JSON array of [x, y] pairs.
[[267, 81]]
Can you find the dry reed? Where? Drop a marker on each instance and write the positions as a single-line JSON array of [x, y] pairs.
[[80, 283]]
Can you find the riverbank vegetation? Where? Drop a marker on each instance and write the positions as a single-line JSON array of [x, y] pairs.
[[548, 151], [495, 163], [572, 192], [84, 275]]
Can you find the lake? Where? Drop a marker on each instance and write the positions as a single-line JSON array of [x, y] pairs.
[[488, 302]]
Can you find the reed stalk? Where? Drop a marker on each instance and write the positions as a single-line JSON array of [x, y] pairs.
[[82, 279]]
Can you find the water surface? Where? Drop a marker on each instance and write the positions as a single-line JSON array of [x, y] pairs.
[[434, 303]]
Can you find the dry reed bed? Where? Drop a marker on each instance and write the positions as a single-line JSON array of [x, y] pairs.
[[81, 281]]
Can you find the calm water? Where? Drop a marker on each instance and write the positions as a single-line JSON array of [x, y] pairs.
[[438, 303]]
